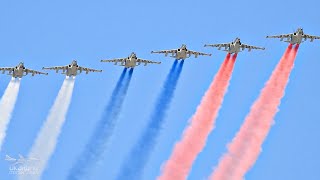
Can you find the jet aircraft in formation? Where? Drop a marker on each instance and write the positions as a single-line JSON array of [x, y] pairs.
[[72, 69], [181, 53], [19, 71], [131, 61], [297, 37]]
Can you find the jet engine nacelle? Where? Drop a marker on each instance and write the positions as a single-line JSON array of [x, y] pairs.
[[196, 55], [87, 72], [249, 49], [145, 64], [166, 54], [32, 74], [311, 40]]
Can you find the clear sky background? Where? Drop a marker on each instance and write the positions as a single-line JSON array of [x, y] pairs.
[[49, 33]]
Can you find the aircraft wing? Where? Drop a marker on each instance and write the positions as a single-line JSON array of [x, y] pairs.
[[88, 69], [249, 47], [6, 68], [172, 51], [306, 36], [147, 61], [115, 60], [197, 53], [57, 68], [33, 72], [3, 69], [280, 36], [219, 46]]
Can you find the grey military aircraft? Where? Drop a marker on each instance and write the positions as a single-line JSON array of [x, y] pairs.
[[19, 71], [234, 47], [181, 53], [72, 69], [297, 37], [130, 61]]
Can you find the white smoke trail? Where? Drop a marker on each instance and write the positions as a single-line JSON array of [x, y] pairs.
[[46, 141], [7, 103]]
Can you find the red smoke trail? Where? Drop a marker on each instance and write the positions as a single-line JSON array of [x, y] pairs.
[[246, 146], [195, 136]]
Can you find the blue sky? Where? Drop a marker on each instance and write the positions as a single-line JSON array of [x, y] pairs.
[[48, 33]]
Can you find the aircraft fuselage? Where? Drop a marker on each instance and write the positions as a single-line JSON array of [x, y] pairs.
[[72, 70], [130, 62], [18, 72], [181, 54], [296, 38], [234, 48]]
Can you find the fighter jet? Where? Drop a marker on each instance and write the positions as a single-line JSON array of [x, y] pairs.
[[19, 71], [181, 53], [72, 69], [130, 61], [297, 37], [234, 47]]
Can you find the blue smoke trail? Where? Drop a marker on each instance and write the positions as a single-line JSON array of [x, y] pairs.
[[138, 157], [98, 143]]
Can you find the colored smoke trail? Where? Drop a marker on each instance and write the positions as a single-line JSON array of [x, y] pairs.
[[245, 148], [47, 137], [202, 123], [98, 143], [139, 155], [7, 104]]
